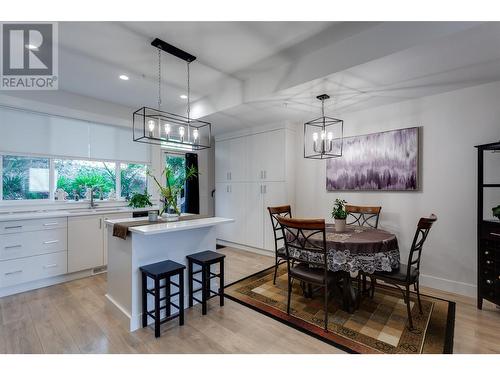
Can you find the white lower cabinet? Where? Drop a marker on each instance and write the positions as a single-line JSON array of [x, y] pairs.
[[18, 271], [87, 241], [228, 201]]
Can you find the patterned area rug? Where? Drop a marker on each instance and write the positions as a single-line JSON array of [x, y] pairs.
[[378, 326]]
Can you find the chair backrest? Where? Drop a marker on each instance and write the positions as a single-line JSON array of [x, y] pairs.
[[423, 227], [299, 244], [274, 212], [363, 215]]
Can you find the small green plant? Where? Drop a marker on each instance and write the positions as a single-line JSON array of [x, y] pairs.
[[496, 212], [338, 210], [139, 200], [175, 182]]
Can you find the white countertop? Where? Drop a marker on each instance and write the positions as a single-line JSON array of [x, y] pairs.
[[172, 226], [45, 214]]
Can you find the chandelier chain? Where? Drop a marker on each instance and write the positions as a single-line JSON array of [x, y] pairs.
[[188, 93], [159, 79]]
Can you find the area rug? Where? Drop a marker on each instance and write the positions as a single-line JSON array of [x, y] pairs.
[[378, 326]]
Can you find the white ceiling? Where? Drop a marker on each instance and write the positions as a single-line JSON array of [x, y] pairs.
[[252, 73]]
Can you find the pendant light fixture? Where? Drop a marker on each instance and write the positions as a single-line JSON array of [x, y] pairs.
[[323, 137], [155, 126]]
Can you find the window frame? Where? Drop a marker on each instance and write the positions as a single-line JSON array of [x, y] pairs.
[[53, 184]]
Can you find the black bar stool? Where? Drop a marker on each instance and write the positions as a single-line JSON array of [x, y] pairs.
[[158, 272], [205, 259]]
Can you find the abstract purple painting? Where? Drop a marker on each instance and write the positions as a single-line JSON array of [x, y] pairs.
[[379, 161]]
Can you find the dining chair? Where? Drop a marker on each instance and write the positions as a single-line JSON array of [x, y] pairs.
[[363, 215], [407, 275], [279, 251], [307, 254]]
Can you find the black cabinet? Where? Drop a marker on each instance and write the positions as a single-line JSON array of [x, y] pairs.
[[488, 238]]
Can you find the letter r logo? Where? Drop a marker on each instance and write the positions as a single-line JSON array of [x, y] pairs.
[[27, 49]]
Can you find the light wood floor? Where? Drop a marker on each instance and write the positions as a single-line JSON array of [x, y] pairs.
[[71, 318]]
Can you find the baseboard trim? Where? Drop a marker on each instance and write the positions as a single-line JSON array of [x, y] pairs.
[[43, 283], [457, 287], [246, 248]]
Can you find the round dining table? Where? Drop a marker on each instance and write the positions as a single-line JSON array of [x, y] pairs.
[[355, 249]]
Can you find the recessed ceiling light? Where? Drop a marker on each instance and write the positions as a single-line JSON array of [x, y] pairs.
[[124, 77], [184, 96], [31, 46]]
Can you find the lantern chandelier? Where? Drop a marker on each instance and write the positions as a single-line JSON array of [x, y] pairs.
[[323, 137], [155, 126]]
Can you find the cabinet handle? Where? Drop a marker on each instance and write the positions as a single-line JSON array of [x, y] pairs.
[[495, 234], [265, 189], [486, 253], [261, 191], [14, 227], [49, 224], [13, 272], [265, 174], [49, 242], [50, 265], [489, 282], [489, 262], [100, 223], [261, 175]]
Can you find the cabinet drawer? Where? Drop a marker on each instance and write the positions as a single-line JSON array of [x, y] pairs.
[[21, 245], [21, 226], [23, 270]]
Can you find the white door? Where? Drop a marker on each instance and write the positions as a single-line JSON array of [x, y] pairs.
[[222, 158], [123, 215], [85, 242], [254, 235], [275, 194], [273, 154], [237, 159]]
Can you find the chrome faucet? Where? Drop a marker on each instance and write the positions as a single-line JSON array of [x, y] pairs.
[[92, 203]]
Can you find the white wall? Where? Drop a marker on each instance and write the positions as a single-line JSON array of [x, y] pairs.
[[453, 123]]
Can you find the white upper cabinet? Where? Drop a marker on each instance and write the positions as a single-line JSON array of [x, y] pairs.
[[230, 160], [222, 157], [266, 156]]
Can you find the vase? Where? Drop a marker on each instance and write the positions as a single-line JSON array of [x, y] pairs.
[[339, 225]]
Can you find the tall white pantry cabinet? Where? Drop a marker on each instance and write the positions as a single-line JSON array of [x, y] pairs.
[[253, 172]]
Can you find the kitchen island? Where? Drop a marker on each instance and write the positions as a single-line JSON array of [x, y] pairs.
[[149, 244]]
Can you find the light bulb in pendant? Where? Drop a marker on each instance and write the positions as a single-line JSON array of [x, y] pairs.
[[167, 130], [181, 133], [322, 135], [195, 134], [151, 125], [330, 136], [315, 137]]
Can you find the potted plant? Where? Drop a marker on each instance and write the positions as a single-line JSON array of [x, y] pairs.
[[496, 212], [170, 193], [139, 200], [339, 214]]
